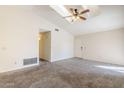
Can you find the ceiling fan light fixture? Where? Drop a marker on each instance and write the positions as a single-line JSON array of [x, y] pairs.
[[77, 17], [70, 14], [73, 17]]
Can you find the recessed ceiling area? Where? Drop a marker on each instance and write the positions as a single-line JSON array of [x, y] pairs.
[[100, 18], [71, 15]]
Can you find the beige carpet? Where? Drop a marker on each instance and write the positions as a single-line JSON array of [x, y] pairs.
[[69, 73]]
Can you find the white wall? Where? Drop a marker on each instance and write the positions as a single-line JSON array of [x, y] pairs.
[[19, 29], [102, 46], [62, 44]]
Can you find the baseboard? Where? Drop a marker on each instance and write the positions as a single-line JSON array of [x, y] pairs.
[[61, 59], [19, 68], [105, 62], [41, 59]]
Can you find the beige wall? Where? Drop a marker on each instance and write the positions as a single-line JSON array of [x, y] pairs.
[[102, 46], [45, 46], [41, 45]]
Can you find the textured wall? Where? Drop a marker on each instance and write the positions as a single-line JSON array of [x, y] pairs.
[[105, 46]]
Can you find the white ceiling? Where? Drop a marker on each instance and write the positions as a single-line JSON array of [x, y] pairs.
[[108, 17]]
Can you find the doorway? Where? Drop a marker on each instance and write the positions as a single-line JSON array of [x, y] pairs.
[[45, 46]]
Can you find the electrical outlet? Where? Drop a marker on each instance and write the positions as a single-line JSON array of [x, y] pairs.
[[3, 48], [15, 62], [81, 47]]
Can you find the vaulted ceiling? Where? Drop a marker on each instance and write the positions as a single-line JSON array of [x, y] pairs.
[[105, 18]]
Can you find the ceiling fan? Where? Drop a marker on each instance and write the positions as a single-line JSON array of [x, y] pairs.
[[76, 14]]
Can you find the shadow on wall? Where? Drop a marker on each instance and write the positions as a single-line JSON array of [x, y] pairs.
[[45, 45]]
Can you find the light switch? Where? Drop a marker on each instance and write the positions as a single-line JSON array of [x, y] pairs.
[[3, 48], [81, 47]]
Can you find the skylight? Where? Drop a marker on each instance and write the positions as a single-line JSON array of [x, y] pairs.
[[62, 11]]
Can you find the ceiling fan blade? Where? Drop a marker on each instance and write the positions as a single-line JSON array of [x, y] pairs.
[[85, 11], [83, 18], [72, 11]]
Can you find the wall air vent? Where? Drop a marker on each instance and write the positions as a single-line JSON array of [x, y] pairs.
[[30, 61], [56, 29]]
